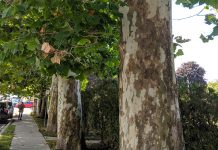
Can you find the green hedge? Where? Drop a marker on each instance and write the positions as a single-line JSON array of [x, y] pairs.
[[101, 112], [198, 106]]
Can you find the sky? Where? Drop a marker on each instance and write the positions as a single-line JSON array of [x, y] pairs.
[[204, 54]]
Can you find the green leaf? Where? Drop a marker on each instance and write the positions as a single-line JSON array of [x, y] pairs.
[[10, 11], [93, 20], [19, 79], [32, 44], [203, 38], [175, 46], [21, 7], [179, 52], [37, 62], [84, 41], [6, 12], [180, 39], [215, 31], [206, 7], [10, 47], [84, 84], [210, 19], [2, 57], [60, 37]]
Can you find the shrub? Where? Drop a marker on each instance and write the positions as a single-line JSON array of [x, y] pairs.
[[198, 105], [101, 111]]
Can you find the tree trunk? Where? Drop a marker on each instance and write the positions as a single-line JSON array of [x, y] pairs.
[[39, 104], [43, 106], [69, 114], [34, 106], [149, 110], [52, 111]]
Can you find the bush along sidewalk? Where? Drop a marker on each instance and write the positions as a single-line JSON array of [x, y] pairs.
[[6, 137]]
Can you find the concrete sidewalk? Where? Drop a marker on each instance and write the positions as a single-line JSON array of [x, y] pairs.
[[27, 136]]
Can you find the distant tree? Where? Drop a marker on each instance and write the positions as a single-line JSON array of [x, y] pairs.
[[214, 86], [198, 108], [192, 73], [190, 81], [148, 106]]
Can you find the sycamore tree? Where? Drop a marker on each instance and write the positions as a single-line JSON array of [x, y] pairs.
[[71, 39], [23, 79], [20, 78], [149, 110]]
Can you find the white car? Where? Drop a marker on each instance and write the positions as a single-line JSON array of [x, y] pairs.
[[10, 109]]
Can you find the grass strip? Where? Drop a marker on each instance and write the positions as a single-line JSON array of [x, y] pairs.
[[6, 138], [42, 129], [51, 144]]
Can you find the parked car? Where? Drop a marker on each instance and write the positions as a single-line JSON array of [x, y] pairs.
[[10, 108], [15, 100], [3, 111], [26, 105]]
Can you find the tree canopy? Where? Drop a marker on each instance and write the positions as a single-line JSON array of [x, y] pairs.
[[73, 35], [69, 38], [192, 72]]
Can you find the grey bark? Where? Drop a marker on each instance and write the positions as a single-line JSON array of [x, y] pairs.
[[69, 115], [35, 106], [43, 107], [52, 111], [149, 110], [39, 104]]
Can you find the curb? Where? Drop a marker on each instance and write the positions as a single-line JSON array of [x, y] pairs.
[[5, 127]]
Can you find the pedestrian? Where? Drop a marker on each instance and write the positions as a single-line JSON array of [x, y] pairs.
[[21, 108]]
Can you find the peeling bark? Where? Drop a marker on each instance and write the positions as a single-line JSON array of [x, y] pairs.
[[34, 106], [52, 111], [43, 107], [149, 110], [69, 114], [39, 103]]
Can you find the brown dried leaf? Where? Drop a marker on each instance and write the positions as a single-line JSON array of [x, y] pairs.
[[56, 59], [44, 45], [46, 48], [42, 30], [62, 53]]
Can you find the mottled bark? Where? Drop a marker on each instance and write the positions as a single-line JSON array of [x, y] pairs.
[[34, 106], [52, 111], [149, 110], [69, 114], [39, 104], [43, 107]]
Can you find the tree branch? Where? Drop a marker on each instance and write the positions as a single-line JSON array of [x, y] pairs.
[[198, 14]]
